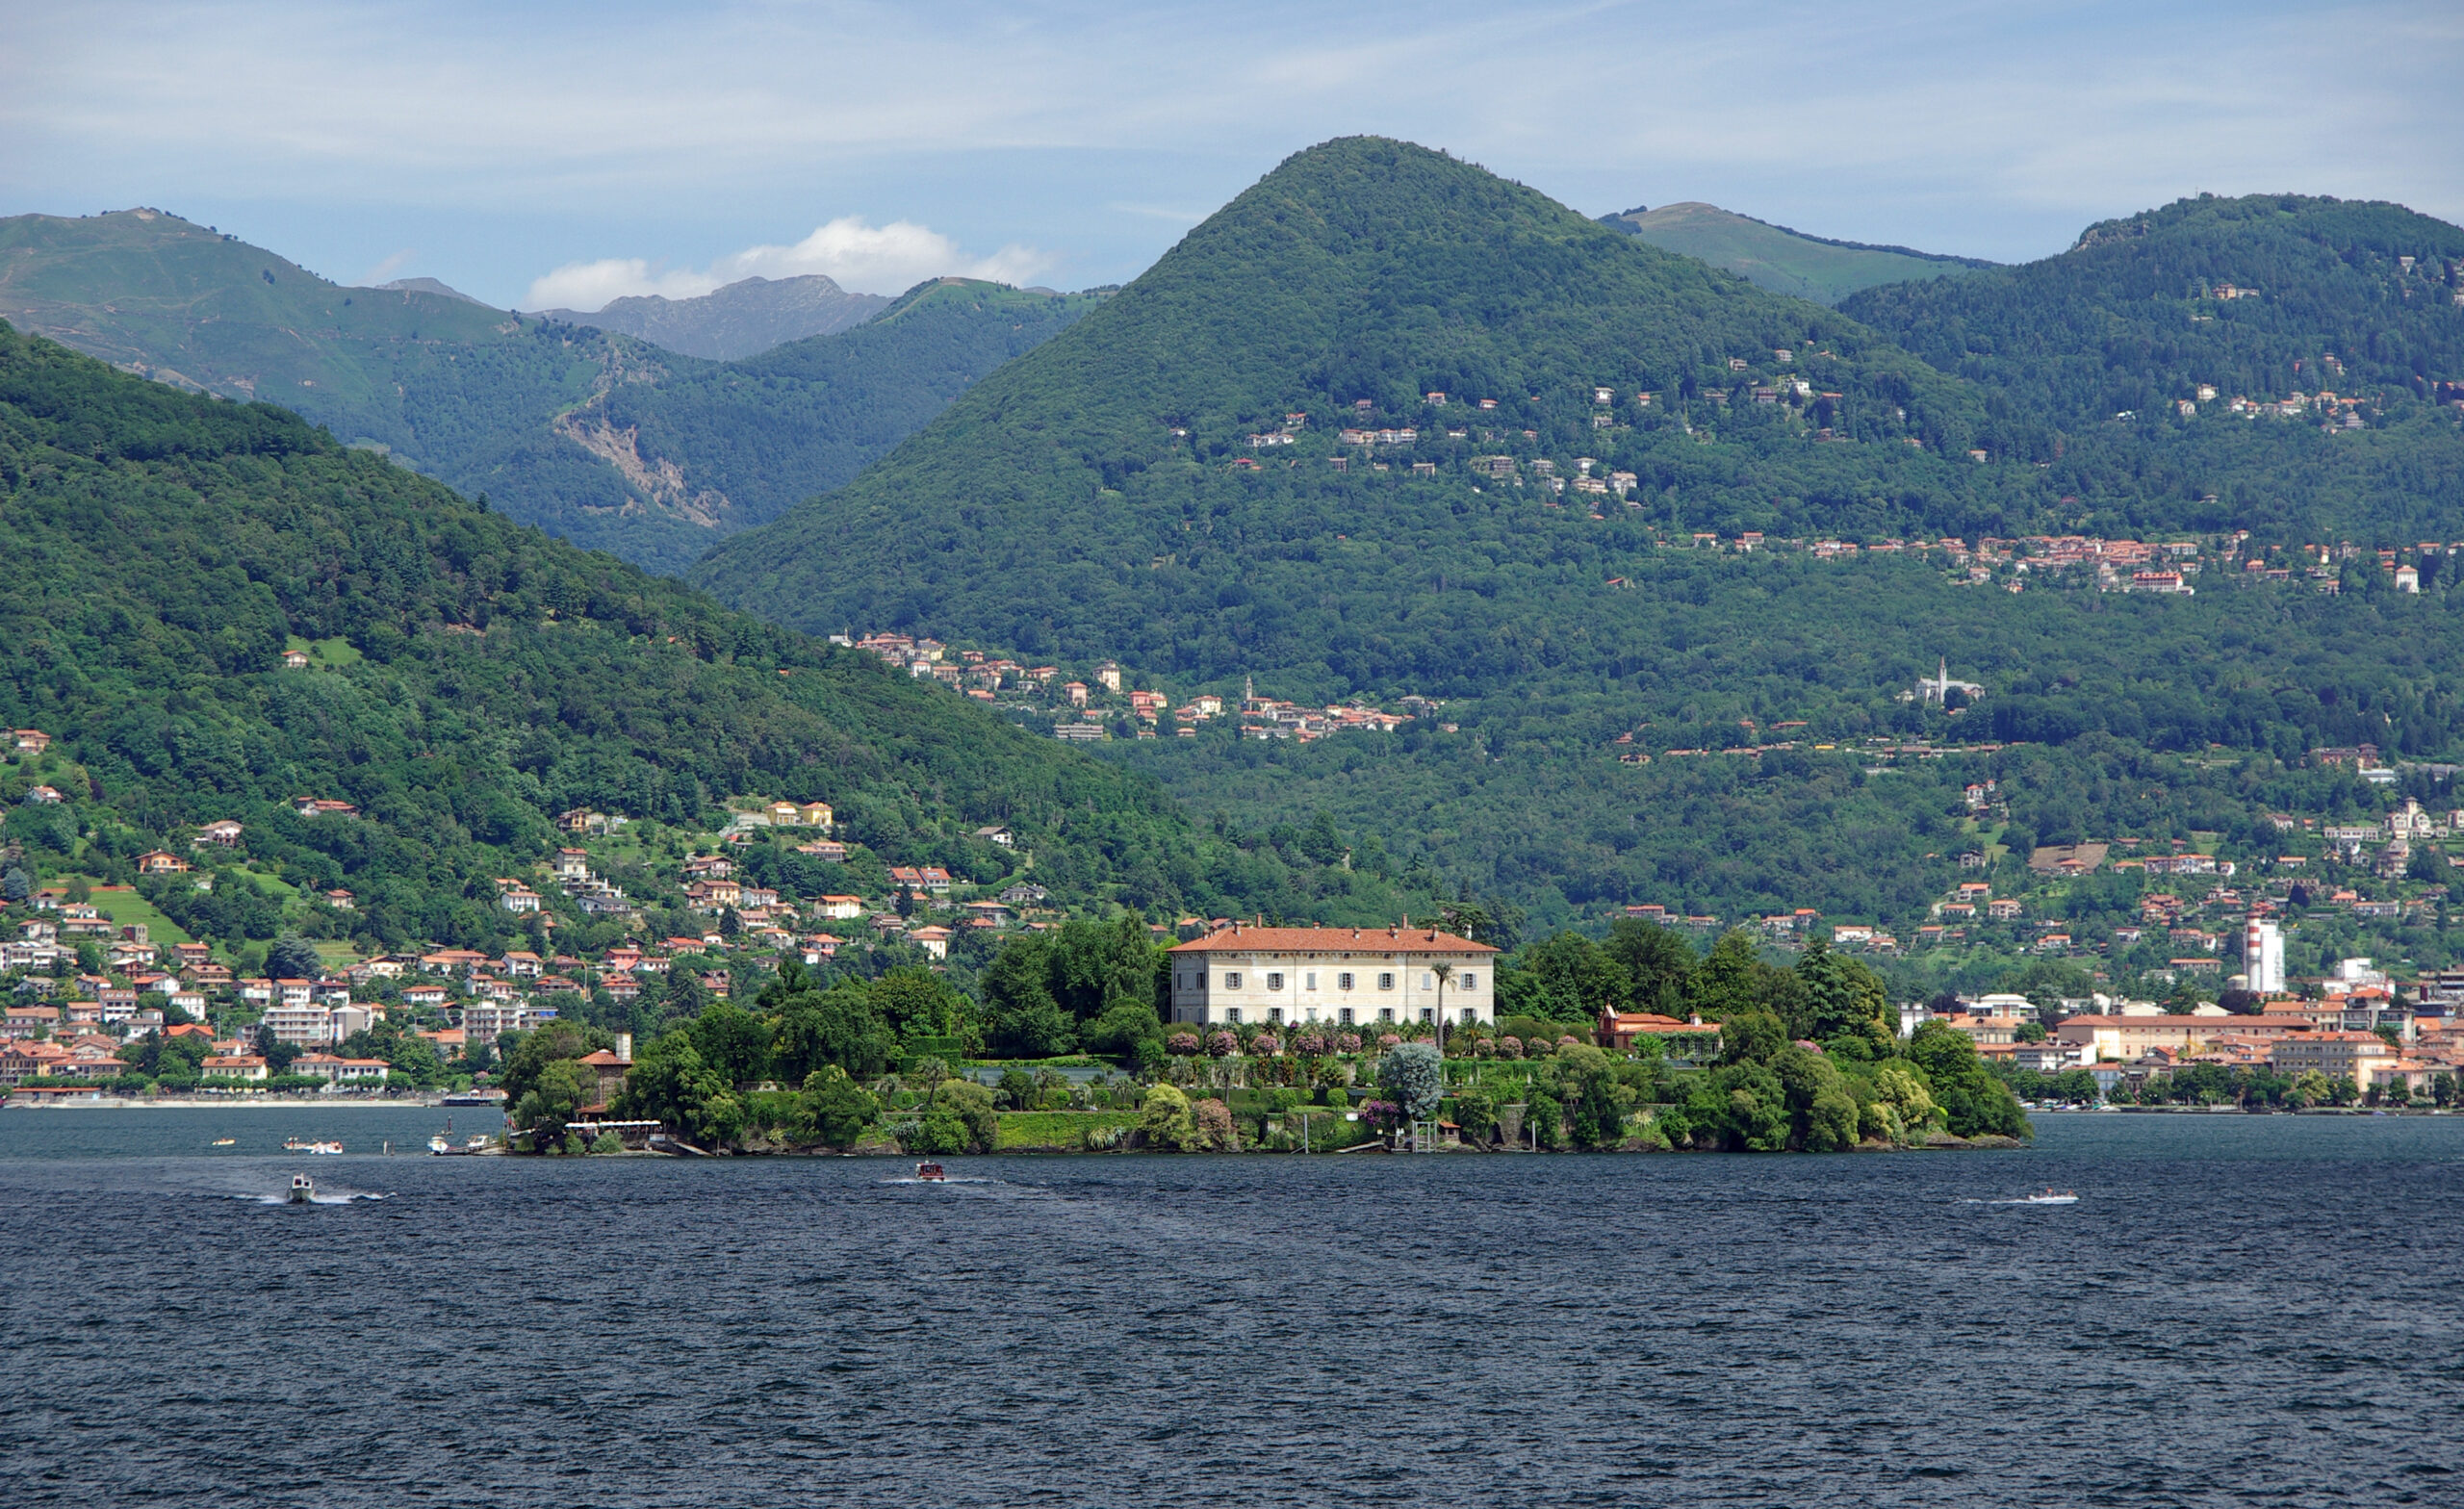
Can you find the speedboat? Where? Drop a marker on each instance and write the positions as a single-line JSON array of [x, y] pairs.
[[438, 1145], [329, 1148], [2051, 1196], [930, 1173], [303, 1189], [224, 1141]]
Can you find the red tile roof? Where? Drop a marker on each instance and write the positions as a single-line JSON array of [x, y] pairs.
[[1242, 937]]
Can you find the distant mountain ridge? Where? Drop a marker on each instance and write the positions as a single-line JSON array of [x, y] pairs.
[[428, 286], [743, 319], [1777, 258], [603, 437]]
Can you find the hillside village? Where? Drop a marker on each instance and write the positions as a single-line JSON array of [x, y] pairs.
[[108, 992]]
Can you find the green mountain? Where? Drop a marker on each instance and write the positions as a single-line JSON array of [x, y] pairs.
[[772, 430], [515, 407], [1124, 493], [476, 677], [2256, 297], [1779, 259], [743, 319], [1110, 489]]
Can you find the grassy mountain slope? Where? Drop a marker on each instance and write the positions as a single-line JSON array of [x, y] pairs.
[[166, 547], [489, 402], [1781, 260], [741, 320]]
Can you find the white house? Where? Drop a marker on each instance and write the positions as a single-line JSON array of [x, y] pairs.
[[1338, 976]]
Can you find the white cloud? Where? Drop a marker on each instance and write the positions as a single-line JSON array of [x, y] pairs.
[[860, 257], [393, 262], [590, 286]]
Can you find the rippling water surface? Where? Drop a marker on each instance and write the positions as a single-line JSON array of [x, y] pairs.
[[2237, 1310]]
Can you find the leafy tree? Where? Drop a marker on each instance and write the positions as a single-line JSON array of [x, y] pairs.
[[1850, 1006], [555, 1097], [1476, 1113], [686, 996], [1902, 1109], [1658, 964], [837, 1108], [917, 1003], [733, 1042], [968, 1107], [1166, 1119], [529, 1054], [1752, 1037], [1599, 1101], [1124, 1029], [670, 1083], [1544, 1115], [1974, 1103], [840, 1028], [1414, 1075], [293, 958], [1566, 977]]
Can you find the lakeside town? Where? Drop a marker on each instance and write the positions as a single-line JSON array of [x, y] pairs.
[[632, 926]]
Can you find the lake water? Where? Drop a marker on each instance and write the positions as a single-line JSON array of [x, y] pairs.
[[2237, 1311]]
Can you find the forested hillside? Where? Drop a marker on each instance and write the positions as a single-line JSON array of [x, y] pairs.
[[476, 678], [1121, 464], [523, 409], [1171, 485], [772, 430], [2254, 297]]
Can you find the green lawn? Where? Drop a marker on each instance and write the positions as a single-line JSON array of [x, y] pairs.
[[1058, 1129], [126, 907], [329, 653]]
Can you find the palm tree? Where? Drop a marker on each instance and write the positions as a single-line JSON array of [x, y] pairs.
[[1444, 973]]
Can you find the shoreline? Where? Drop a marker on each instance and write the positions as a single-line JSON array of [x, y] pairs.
[[168, 1103]]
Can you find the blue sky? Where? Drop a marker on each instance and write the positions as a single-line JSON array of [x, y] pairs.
[[545, 152]]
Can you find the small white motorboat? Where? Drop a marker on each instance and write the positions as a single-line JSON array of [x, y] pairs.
[[2051, 1196], [303, 1189]]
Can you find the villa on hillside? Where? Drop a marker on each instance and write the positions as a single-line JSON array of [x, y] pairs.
[[1337, 977]]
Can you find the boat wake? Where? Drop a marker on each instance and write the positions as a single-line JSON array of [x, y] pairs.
[[2031, 1199], [961, 1179], [320, 1197]]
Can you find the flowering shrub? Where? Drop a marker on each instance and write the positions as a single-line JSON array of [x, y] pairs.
[[1222, 1045], [1182, 1044], [1509, 1047], [1569, 1040], [1482, 1048], [1383, 1114], [1266, 1046], [1388, 1040], [1211, 1125], [1309, 1045], [1347, 1042]]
